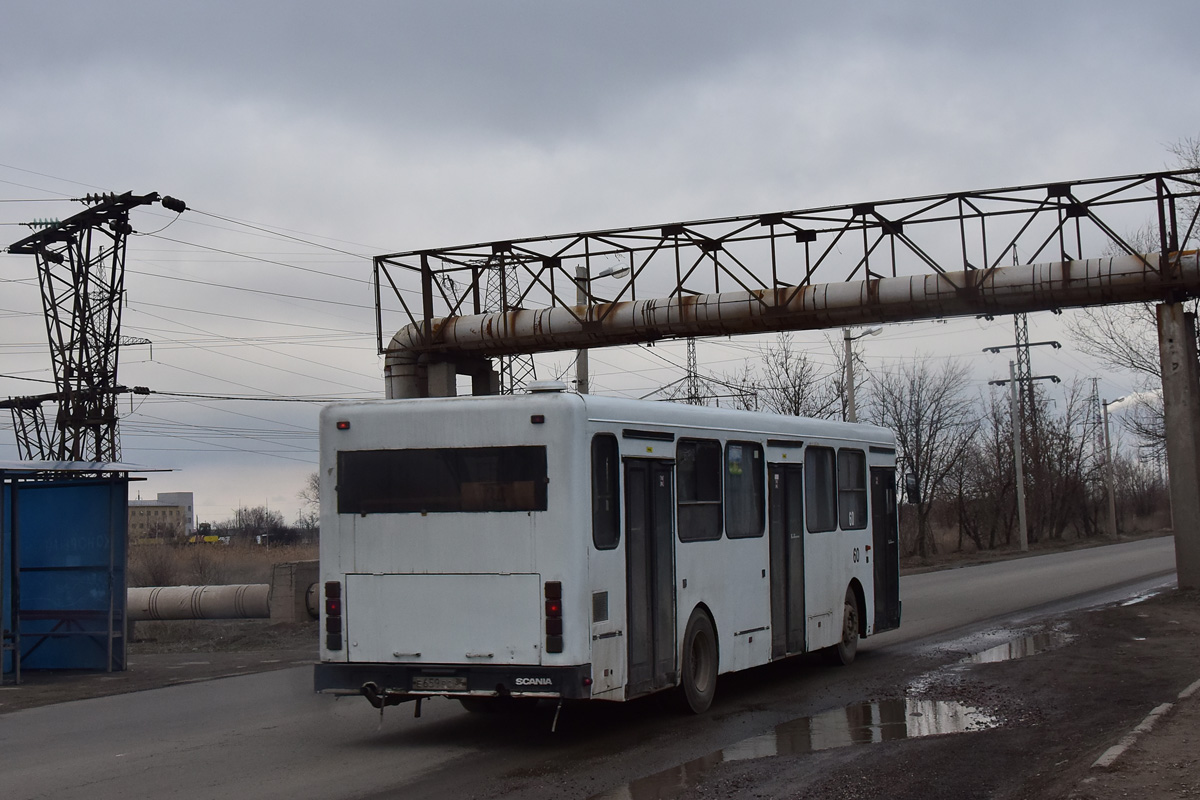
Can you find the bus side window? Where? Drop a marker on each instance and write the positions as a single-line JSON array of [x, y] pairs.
[[820, 489], [606, 499], [852, 489], [744, 510], [698, 487]]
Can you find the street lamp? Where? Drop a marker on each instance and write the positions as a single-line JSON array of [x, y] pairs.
[[1108, 472], [582, 280], [874, 330]]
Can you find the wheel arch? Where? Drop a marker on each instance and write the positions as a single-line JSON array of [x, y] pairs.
[[860, 598], [702, 608]]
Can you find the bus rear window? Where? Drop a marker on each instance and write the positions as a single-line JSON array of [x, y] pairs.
[[460, 479]]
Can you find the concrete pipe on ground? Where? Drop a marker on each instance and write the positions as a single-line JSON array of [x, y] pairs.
[[238, 601]]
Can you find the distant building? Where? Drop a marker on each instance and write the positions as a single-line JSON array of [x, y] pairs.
[[170, 512]]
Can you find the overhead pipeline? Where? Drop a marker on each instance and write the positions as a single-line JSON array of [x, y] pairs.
[[1001, 290]]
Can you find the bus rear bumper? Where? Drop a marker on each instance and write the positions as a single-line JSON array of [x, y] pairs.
[[391, 684]]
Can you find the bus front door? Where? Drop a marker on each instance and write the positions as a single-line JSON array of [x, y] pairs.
[[886, 538], [650, 575], [787, 559]]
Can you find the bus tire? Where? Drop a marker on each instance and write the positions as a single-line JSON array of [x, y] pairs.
[[844, 651], [698, 668]]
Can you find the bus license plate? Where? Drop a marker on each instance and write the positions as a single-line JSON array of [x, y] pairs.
[[427, 683]]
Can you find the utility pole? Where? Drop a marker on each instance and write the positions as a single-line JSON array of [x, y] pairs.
[[693, 375], [848, 340], [1018, 459], [81, 271], [515, 370], [581, 355], [1108, 473], [1021, 399], [583, 297]]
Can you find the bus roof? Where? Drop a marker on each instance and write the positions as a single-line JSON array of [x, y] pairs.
[[629, 411]]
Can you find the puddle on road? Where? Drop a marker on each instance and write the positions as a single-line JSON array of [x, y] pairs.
[[1021, 648], [864, 723]]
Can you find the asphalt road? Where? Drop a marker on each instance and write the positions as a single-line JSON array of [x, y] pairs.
[[268, 736]]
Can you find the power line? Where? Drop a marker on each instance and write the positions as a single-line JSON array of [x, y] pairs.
[[282, 235], [252, 291], [256, 258]]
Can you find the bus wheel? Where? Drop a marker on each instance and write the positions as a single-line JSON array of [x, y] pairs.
[[699, 679], [847, 648]]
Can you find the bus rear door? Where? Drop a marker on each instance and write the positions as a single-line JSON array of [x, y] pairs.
[[787, 559], [650, 575]]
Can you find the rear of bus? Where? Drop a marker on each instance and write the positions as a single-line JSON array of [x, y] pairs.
[[449, 566]]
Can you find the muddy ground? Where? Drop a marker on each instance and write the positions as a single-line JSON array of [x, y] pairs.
[[1057, 712]]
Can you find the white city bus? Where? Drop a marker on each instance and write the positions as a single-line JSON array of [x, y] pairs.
[[557, 545]]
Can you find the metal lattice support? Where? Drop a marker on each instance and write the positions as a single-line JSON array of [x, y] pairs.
[[695, 395], [29, 423], [81, 272], [516, 371], [1025, 390]]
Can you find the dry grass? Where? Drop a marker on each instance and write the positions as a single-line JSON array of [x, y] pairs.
[[209, 564], [223, 635]]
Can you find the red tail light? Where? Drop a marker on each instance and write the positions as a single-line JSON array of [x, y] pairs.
[[554, 623], [333, 615]]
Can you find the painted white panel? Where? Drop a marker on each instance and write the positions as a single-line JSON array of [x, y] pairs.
[[444, 619]]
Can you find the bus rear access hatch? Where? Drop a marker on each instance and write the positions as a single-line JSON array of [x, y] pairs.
[[444, 619]]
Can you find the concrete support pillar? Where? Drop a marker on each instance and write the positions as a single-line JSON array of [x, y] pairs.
[[1181, 406], [290, 583], [443, 379], [485, 382]]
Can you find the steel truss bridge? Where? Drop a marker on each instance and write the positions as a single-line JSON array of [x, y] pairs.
[[773, 264]]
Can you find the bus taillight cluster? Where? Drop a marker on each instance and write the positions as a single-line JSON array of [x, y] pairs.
[[554, 626], [333, 615]]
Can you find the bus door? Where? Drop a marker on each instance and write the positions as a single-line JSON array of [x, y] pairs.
[[786, 500], [886, 538], [650, 574]]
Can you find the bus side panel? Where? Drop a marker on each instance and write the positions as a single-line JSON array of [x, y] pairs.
[[727, 576], [607, 579], [824, 573]]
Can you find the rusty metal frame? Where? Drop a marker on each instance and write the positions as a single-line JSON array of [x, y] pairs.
[[783, 252]]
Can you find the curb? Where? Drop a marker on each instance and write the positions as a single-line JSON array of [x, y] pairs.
[[1110, 756]]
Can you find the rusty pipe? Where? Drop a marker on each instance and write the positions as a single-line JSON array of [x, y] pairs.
[[1029, 287]]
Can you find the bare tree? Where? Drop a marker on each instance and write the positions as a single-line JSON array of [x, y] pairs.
[[742, 388], [933, 420], [310, 495], [1065, 490], [258, 521], [1125, 338], [793, 384], [985, 483]]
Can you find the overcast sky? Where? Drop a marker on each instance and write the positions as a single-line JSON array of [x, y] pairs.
[[364, 128]]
